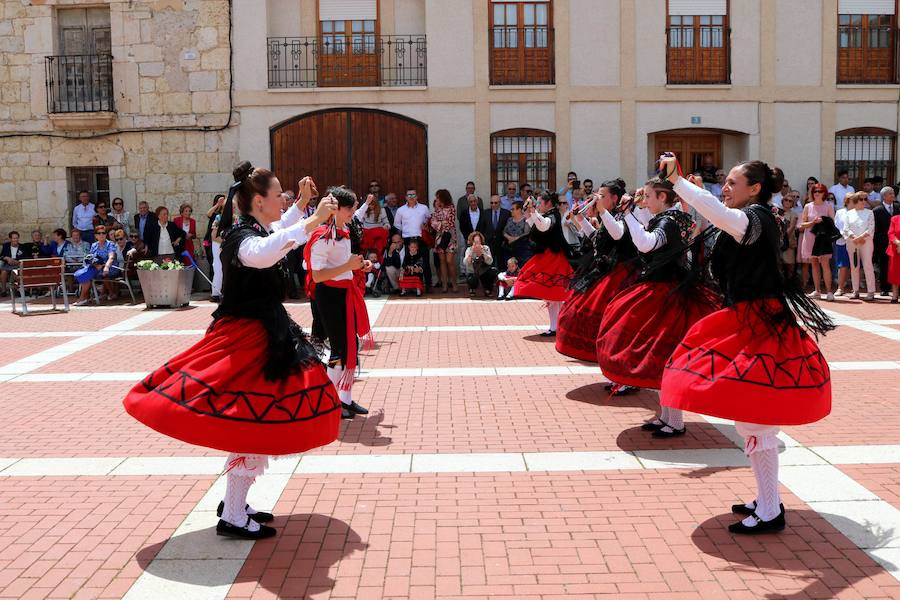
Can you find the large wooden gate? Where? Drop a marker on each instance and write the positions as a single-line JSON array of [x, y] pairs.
[[352, 147]]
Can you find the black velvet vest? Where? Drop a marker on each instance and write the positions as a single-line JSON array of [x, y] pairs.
[[750, 270], [249, 293]]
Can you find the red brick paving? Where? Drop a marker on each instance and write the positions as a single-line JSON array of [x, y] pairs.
[[464, 349], [641, 534], [124, 353], [860, 399], [543, 536], [480, 414], [880, 309], [14, 349], [481, 312], [86, 537], [409, 415], [78, 419], [881, 480], [76, 320]]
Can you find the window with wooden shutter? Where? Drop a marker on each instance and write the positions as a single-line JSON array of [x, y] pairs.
[[698, 42], [867, 41], [348, 43], [521, 42]]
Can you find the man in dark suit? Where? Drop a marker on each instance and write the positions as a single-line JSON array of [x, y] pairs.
[[142, 217], [495, 221], [471, 219], [888, 208], [153, 231], [462, 203]]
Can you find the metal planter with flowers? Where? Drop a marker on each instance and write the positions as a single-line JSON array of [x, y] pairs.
[[165, 284]]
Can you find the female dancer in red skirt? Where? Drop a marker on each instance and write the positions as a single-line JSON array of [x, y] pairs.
[[605, 270], [644, 323], [751, 361], [546, 274], [253, 386]]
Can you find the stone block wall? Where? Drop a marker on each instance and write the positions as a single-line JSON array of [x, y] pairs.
[[170, 69]]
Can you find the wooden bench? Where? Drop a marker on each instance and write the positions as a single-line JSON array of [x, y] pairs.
[[41, 273]]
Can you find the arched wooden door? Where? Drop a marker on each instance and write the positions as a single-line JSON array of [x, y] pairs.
[[352, 147]]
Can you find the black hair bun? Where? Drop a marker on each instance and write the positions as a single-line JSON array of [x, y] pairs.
[[242, 170]]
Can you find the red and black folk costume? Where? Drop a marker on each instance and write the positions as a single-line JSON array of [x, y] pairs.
[[644, 323], [607, 268], [546, 274], [340, 309], [751, 361], [253, 386]]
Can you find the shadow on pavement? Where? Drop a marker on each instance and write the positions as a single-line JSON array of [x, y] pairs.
[[788, 557], [295, 563]]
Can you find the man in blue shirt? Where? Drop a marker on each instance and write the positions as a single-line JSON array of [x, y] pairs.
[[83, 216], [511, 196]]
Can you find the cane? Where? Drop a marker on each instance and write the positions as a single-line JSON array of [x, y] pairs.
[[190, 258]]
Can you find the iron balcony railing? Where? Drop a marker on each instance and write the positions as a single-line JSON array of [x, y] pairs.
[[698, 54], [351, 60], [868, 54], [79, 83], [522, 55]]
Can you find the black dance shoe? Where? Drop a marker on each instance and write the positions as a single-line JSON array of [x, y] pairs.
[[659, 433], [624, 390], [547, 333], [258, 516], [346, 413], [651, 426], [357, 409], [773, 526], [741, 509], [226, 529]]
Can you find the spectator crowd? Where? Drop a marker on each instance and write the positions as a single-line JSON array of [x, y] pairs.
[[838, 240]]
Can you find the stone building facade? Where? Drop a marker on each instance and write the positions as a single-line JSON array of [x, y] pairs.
[[432, 93], [138, 100]]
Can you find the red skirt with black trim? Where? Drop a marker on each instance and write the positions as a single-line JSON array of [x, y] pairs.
[[643, 325], [411, 282], [730, 365], [214, 395], [581, 314], [545, 276]]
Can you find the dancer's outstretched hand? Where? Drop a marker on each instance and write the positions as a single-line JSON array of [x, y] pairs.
[[668, 166], [327, 206]]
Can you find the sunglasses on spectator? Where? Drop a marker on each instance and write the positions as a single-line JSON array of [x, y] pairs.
[[120, 238], [495, 204], [117, 204], [410, 195], [100, 233], [134, 236]]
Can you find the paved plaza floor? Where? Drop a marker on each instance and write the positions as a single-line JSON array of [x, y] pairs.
[[490, 467]]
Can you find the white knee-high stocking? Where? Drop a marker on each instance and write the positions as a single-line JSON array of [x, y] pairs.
[[768, 499], [553, 309], [334, 374], [234, 510]]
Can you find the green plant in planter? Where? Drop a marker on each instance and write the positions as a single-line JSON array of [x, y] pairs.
[[167, 265]]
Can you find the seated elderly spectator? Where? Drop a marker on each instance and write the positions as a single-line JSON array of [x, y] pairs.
[[60, 244], [101, 259], [75, 251], [479, 265], [393, 261], [38, 247], [164, 239], [10, 256]]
